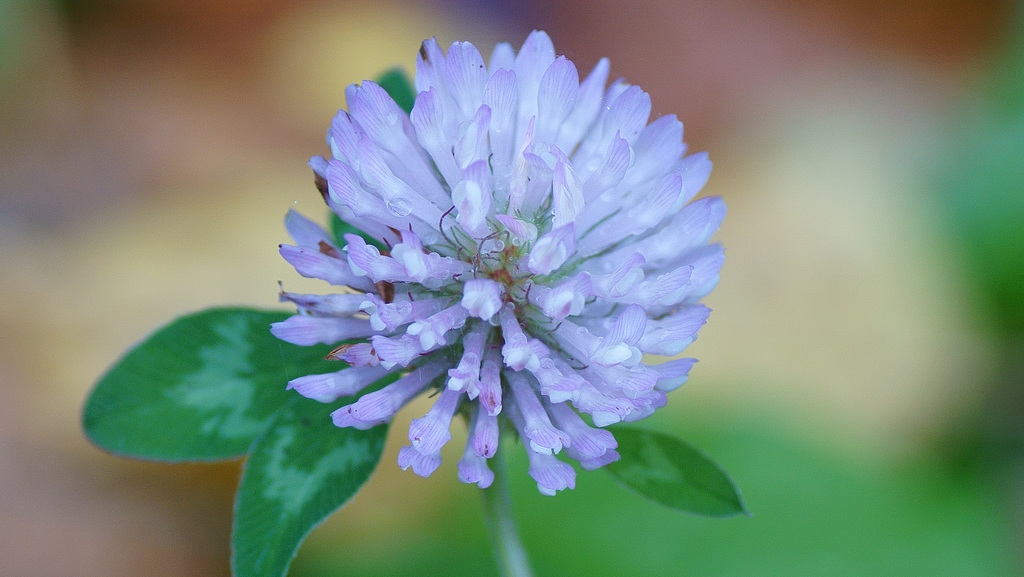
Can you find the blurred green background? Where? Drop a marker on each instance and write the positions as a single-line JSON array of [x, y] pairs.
[[861, 378]]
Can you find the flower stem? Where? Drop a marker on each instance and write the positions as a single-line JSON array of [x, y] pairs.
[[508, 549]]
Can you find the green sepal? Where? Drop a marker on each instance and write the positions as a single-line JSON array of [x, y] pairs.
[[340, 228], [397, 85], [673, 473]]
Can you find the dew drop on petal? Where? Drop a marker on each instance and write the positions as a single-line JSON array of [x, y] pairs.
[[399, 207]]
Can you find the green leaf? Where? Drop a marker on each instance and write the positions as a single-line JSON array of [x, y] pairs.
[[397, 85], [673, 473], [299, 472], [198, 389]]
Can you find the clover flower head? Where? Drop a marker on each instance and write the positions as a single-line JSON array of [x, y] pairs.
[[536, 239]]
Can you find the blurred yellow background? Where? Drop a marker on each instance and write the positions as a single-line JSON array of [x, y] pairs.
[[149, 150]]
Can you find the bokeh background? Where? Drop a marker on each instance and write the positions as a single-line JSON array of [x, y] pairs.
[[861, 378]]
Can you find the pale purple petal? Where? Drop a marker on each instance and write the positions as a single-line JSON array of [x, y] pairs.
[[535, 242], [516, 352], [473, 469], [551, 474], [670, 335], [589, 99], [305, 330], [627, 114], [314, 263], [483, 433], [431, 331], [532, 62], [567, 195], [474, 145], [537, 427], [330, 387], [430, 432], [609, 456], [304, 231], [672, 374], [564, 299], [465, 76], [423, 464], [390, 316], [357, 355], [557, 384], [396, 351], [501, 95], [490, 384], [429, 121], [429, 66], [337, 304], [473, 201], [587, 442], [482, 298], [378, 407], [466, 376], [503, 56], [556, 97], [552, 250]]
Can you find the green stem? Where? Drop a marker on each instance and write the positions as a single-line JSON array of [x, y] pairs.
[[508, 549]]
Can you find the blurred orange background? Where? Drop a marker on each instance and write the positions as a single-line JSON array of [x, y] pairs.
[[149, 150]]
